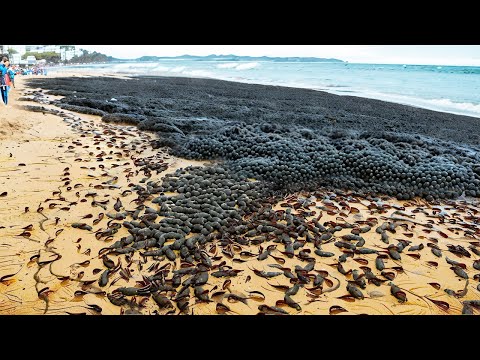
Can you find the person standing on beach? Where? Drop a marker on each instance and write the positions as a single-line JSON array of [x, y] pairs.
[[3, 85], [9, 80]]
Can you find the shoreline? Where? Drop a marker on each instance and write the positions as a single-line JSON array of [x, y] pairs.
[[275, 133], [331, 95], [420, 103], [69, 284]]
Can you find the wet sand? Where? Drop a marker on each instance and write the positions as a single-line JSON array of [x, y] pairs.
[[72, 168], [51, 169]]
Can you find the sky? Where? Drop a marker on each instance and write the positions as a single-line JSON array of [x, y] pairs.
[[379, 54]]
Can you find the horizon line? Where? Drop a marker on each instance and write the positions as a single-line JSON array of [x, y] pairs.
[[300, 57]]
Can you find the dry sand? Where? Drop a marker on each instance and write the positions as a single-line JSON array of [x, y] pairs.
[[49, 164]]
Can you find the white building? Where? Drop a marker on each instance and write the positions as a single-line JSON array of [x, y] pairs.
[[66, 52], [31, 60], [52, 48], [35, 48], [67, 55], [15, 59], [20, 49]]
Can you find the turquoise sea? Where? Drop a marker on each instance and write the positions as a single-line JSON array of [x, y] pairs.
[[454, 89]]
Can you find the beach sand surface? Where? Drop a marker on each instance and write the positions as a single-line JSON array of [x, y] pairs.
[[57, 171]]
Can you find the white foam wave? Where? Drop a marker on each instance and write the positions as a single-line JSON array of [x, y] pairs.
[[178, 69], [239, 66], [247, 66], [198, 73], [227, 65], [145, 65], [161, 68], [122, 66], [463, 107], [444, 105]]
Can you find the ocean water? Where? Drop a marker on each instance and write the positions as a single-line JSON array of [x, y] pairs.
[[453, 89]]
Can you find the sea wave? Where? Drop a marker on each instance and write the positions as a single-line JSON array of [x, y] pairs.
[[198, 73], [178, 69], [462, 106], [444, 105], [227, 65], [134, 67], [247, 66], [239, 66], [160, 68]]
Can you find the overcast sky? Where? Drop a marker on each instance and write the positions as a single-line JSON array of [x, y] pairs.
[[383, 54]]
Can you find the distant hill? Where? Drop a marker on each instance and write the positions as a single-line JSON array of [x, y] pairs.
[[214, 57]]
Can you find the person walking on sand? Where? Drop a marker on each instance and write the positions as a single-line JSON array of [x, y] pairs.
[[9, 80], [3, 85]]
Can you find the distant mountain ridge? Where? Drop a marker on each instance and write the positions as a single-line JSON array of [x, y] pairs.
[[232, 57]]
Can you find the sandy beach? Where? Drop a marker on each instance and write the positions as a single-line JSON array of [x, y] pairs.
[[69, 181]]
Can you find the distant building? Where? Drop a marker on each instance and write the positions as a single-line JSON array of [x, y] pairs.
[[52, 48], [34, 48], [67, 55], [31, 60], [19, 49], [66, 52], [15, 59]]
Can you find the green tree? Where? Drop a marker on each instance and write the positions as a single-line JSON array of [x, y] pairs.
[[12, 51], [90, 57], [51, 57]]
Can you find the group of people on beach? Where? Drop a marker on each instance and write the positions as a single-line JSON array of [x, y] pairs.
[[35, 70], [7, 78]]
